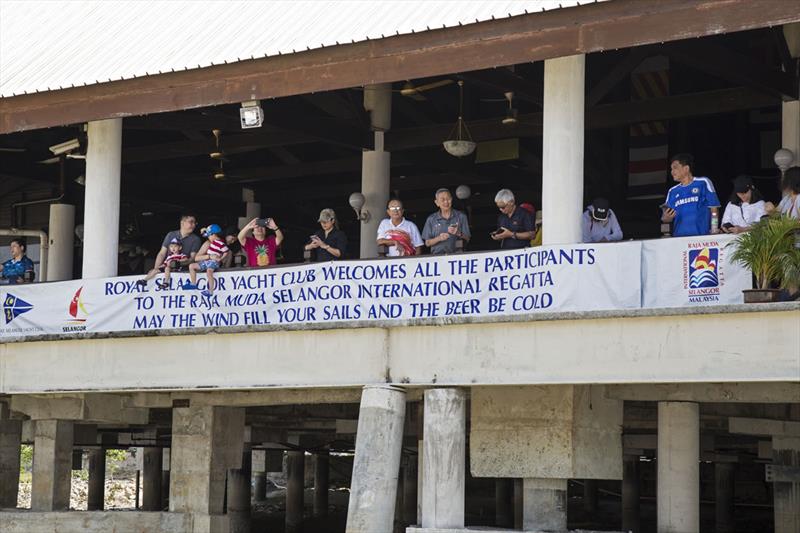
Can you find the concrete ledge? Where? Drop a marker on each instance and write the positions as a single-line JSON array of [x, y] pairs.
[[22, 521], [480, 529], [438, 321]]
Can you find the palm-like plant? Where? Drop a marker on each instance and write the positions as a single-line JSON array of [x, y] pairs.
[[768, 250]]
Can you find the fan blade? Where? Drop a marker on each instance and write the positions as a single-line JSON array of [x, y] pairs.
[[12, 149], [433, 85], [49, 161], [414, 92]]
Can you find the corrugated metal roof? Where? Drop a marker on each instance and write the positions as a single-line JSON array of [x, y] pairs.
[[48, 45]]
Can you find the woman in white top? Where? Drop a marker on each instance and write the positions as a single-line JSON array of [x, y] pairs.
[[745, 207]]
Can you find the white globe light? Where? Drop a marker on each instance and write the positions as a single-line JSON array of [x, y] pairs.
[[356, 200], [783, 158], [459, 148], [463, 192]]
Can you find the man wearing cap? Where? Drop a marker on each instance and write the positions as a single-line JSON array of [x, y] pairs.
[[599, 223], [445, 227], [190, 242], [260, 248], [329, 242]]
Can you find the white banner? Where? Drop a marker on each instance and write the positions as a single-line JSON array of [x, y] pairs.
[[689, 271], [543, 279]]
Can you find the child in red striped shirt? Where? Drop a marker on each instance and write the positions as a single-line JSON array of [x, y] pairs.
[[208, 258]]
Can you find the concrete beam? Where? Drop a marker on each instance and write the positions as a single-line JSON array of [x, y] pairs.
[[99, 408], [91, 522], [761, 426], [774, 392]]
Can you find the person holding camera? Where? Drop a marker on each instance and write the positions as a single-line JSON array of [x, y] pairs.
[[515, 227], [328, 243], [260, 248], [18, 269]]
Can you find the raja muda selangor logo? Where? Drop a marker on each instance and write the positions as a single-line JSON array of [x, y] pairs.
[[14, 306], [78, 314], [702, 277]]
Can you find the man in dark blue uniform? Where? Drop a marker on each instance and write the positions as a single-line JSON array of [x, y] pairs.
[[514, 225]]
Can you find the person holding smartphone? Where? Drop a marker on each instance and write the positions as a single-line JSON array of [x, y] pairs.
[[515, 227], [260, 248], [444, 228], [745, 207], [328, 243], [692, 205]]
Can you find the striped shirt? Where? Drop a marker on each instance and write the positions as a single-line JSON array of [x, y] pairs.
[[216, 249]]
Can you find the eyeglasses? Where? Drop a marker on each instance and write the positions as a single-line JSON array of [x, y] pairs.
[[502, 206], [395, 208]]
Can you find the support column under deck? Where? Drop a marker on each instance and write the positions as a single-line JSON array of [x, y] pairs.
[[52, 465], [678, 486], [10, 441], [295, 490], [95, 499], [239, 494], [630, 493], [321, 483], [379, 442], [544, 504], [152, 478], [724, 481]]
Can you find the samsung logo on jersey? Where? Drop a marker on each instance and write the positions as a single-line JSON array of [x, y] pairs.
[[687, 200]]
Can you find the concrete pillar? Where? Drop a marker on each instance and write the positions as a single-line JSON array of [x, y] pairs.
[[52, 465], [295, 490], [101, 215], [61, 232], [379, 442], [724, 481], [562, 160], [206, 442], [443, 473], [785, 494], [590, 496], [165, 461], [321, 483], [544, 504], [95, 500], [678, 487], [259, 486], [375, 166], [630, 493], [504, 502], [410, 490], [239, 494], [790, 111], [152, 478], [10, 441]]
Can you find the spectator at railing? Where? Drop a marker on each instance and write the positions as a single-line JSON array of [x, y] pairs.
[[692, 205], [444, 228], [209, 259], [236, 258], [190, 242], [400, 236], [260, 248], [745, 207], [599, 223], [18, 269], [515, 227], [537, 239], [171, 264], [329, 242], [790, 204]]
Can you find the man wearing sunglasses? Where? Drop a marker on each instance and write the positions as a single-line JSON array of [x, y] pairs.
[[400, 236], [515, 226]]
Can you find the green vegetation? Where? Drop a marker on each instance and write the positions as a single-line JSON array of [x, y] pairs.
[[768, 250]]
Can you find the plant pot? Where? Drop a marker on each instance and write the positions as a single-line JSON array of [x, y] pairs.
[[760, 296]]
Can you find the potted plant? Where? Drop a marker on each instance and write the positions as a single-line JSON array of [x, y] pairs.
[[770, 252]]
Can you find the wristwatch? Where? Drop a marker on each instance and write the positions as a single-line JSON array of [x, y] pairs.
[[514, 234]]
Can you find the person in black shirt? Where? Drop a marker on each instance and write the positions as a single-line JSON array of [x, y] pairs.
[[328, 243], [515, 227]]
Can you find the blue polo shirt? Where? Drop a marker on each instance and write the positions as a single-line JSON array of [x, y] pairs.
[[691, 204], [519, 221], [14, 270]]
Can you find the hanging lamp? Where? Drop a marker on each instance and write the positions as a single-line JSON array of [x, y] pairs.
[[459, 143]]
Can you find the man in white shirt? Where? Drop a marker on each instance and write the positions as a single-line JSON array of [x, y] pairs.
[[400, 236]]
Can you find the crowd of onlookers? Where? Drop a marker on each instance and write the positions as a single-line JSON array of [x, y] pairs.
[[691, 207]]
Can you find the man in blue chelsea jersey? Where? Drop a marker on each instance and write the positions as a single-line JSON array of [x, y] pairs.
[[692, 204]]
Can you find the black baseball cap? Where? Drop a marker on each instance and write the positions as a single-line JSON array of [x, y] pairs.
[[742, 184], [600, 209]]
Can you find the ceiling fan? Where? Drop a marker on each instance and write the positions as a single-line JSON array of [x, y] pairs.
[[218, 155], [511, 113], [415, 92]]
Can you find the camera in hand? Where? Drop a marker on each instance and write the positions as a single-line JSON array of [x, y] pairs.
[[28, 276]]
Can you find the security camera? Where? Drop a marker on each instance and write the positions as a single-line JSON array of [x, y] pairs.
[[65, 147]]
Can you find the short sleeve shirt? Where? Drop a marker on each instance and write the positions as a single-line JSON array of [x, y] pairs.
[[14, 270], [335, 239], [260, 253], [405, 225], [436, 224], [691, 204], [744, 214], [191, 243], [519, 222]]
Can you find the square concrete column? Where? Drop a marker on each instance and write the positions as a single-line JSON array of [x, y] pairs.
[[678, 486], [52, 465], [239, 494], [259, 467], [443, 471], [10, 441], [376, 466], [206, 442], [95, 499], [724, 483], [295, 490], [544, 504], [504, 502], [410, 484], [786, 494], [152, 477], [321, 483], [630, 493]]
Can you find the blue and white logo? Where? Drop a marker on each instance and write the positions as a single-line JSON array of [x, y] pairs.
[[13, 307]]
